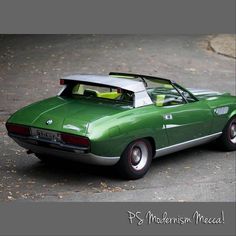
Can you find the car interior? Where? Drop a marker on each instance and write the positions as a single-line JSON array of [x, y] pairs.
[[163, 95], [103, 92]]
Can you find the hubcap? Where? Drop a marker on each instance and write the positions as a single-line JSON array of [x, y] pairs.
[[136, 156], [139, 156], [233, 133]]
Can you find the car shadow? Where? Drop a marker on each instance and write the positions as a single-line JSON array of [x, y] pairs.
[[59, 169]]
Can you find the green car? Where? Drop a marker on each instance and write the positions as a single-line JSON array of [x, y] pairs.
[[124, 120]]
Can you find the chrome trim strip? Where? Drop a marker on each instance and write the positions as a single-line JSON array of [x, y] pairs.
[[185, 145]]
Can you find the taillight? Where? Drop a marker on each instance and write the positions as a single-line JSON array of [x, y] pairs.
[[75, 140], [62, 81], [18, 129]]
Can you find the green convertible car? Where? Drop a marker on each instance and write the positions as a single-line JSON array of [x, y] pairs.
[[124, 120]]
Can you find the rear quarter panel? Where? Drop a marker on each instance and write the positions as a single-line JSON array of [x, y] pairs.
[[110, 137]]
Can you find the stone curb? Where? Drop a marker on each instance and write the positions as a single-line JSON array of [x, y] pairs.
[[224, 44]]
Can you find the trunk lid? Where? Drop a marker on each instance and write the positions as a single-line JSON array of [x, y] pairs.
[[66, 114]]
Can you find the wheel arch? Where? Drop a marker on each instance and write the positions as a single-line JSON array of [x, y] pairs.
[[232, 114], [153, 144]]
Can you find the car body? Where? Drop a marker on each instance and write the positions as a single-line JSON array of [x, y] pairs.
[[123, 119]]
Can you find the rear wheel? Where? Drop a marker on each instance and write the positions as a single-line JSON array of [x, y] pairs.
[[135, 160], [228, 137]]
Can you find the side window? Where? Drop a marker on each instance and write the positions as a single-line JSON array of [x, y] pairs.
[[165, 95]]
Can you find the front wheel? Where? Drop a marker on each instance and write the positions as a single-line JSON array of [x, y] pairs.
[[135, 160], [228, 137]]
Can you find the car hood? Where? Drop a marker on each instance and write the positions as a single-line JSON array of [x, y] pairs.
[[67, 114]]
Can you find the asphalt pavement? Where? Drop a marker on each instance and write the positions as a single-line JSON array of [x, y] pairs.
[[30, 68]]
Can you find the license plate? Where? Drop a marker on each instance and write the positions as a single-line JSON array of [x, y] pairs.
[[45, 134]]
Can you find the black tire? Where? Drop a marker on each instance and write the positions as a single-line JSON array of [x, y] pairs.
[[227, 140], [135, 160]]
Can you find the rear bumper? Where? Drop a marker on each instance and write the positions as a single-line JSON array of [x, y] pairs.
[[57, 149]]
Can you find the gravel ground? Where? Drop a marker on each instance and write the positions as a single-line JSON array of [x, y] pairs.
[[30, 66]]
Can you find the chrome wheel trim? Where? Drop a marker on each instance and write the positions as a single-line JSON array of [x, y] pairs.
[[232, 132], [139, 156]]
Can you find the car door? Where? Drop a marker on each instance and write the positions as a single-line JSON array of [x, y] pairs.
[[187, 122], [185, 118]]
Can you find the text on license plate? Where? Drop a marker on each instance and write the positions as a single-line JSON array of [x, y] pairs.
[[45, 134]]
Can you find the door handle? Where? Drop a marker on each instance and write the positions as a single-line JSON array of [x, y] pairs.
[[168, 117]]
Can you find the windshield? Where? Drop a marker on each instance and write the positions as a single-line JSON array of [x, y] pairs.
[[164, 93]]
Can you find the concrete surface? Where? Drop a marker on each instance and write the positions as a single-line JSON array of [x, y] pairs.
[[30, 66]]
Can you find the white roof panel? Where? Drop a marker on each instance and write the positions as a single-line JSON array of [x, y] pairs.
[[127, 84]]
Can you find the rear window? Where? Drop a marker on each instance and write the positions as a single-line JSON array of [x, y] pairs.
[[88, 91]]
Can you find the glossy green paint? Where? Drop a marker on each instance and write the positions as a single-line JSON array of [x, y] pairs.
[[112, 126], [68, 115], [189, 121], [214, 102]]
